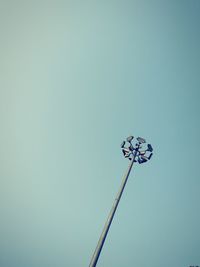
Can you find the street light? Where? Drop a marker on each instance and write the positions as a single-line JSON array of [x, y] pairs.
[[134, 154]]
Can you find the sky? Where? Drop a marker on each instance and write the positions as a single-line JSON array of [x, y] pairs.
[[77, 78]]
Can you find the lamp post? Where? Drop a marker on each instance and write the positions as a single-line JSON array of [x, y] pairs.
[[134, 154]]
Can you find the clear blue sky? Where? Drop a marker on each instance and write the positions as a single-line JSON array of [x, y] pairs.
[[77, 77]]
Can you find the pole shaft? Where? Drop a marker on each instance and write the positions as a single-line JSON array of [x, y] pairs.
[[102, 238]]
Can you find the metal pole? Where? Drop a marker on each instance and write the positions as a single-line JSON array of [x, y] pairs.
[[102, 238]]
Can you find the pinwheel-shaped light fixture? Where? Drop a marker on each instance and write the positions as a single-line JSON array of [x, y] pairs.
[[137, 151]]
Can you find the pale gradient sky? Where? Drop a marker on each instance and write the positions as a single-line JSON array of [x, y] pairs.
[[77, 77]]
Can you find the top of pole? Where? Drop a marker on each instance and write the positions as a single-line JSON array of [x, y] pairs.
[[137, 150]]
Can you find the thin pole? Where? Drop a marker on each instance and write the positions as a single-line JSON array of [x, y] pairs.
[[102, 238]]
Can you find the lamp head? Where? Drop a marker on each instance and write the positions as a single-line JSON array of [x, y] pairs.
[[129, 139]]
